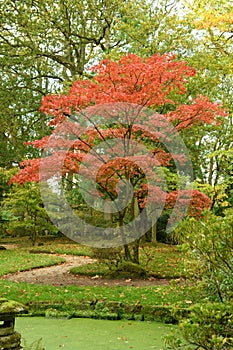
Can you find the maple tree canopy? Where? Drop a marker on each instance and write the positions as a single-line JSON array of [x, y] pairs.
[[107, 129]]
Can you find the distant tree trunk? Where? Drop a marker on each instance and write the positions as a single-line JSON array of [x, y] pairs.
[[144, 225], [136, 251], [127, 255], [34, 233], [137, 230], [154, 227], [154, 233], [107, 214]]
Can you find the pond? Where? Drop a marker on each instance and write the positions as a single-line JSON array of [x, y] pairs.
[[90, 334]]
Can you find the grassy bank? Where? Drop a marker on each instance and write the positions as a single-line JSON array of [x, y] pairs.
[[149, 303]]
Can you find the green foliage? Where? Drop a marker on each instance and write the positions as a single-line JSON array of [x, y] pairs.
[[5, 215], [218, 195], [209, 326], [209, 49], [210, 251], [46, 45], [5, 176], [24, 213]]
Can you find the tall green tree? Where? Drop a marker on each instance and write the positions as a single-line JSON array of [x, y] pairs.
[[45, 45], [210, 23]]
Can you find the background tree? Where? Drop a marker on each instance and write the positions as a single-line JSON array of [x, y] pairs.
[[23, 213], [210, 25], [46, 45]]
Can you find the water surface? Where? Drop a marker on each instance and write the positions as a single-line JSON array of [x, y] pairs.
[[90, 334]]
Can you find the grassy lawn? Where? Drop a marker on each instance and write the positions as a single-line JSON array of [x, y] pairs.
[[18, 260], [153, 295], [161, 261], [56, 245]]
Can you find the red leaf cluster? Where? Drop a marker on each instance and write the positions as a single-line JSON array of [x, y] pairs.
[[194, 200], [146, 82], [201, 111]]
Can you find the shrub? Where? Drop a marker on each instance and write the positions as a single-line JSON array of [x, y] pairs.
[[24, 213], [210, 246], [208, 327]]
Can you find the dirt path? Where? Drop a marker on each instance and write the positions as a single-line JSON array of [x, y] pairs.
[[59, 275]]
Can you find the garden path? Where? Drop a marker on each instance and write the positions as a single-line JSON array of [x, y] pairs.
[[59, 275]]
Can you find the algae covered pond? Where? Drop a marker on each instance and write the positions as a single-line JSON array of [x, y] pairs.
[[90, 334]]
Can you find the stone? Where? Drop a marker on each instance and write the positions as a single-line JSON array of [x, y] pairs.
[[9, 338], [10, 342]]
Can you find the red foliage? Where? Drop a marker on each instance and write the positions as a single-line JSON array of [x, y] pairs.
[[125, 88], [194, 200], [29, 172], [146, 82], [199, 112]]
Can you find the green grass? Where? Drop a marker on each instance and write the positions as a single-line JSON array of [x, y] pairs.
[[61, 248], [49, 244], [92, 269], [152, 295], [17, 260], [161, 261]]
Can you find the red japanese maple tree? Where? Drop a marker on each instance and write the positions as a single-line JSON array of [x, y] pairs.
[[107, 131]]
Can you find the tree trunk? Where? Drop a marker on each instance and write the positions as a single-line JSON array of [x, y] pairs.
[[154, 227], [107, 214], [136, 251], [127, 255], [137, 232], [154, 233]]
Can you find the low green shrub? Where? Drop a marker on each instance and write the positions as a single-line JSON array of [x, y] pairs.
[[209, 326], [209, 244]]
